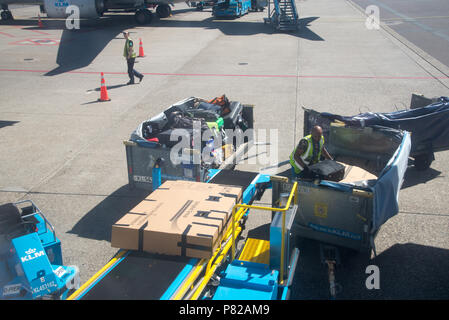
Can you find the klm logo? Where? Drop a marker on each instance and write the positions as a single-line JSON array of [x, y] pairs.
[[31, 254], [61, 4]]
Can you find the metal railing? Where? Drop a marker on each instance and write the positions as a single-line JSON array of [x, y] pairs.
[[293, 193], [215, 261], [36, 212]]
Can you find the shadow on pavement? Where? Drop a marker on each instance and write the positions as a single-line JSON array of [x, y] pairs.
[[236, 27], [407, 272], [97, 223], [4, 123], [414, 177], [78, 48]]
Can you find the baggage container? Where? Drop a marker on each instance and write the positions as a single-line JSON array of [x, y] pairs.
[[231, 119], [349, 213], [427, 120], [142, 155]]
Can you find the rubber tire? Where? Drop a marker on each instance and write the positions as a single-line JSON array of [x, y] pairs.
[[163, 10], [5, 16], [149, 16], [143, 16]]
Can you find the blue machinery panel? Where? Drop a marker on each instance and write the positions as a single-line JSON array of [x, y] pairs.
[[33, 261]]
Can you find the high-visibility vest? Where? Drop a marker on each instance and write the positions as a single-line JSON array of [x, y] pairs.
[[306, 157], [126, 49]]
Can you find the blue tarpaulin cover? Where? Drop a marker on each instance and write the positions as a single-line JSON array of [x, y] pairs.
[[429, 125], [387, 186]]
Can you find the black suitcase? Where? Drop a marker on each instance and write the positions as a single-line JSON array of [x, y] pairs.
[[151, 128], [328, 170], [207, 115], [164, 137], [209, 106], [230, 120]]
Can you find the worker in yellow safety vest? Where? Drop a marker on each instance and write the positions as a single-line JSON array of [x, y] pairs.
[[308, 152], [130, 56]]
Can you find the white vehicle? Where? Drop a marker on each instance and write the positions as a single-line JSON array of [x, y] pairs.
[[96, 8]]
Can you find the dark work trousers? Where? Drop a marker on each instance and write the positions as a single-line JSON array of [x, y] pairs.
[[131, 71]]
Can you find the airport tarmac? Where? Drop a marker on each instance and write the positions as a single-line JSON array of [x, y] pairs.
[[63, 149]]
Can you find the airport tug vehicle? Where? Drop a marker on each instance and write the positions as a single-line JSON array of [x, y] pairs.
[[31, 265]]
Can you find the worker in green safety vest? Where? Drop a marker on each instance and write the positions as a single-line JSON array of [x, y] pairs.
[[130, 56], [308, 152]]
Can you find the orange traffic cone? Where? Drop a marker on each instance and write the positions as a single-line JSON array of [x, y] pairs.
[[141, 54], [39, 21], [103, 90]]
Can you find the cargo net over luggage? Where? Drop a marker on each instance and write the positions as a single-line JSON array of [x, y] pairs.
[[213, 127]]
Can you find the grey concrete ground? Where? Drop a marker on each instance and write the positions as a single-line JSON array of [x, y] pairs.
[[63, 149], [424, 23]]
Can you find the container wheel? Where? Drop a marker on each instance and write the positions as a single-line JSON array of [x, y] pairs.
[[143, 16], [163, 10]]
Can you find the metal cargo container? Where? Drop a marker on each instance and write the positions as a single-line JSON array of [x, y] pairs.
[[350, 214], [143, 156]]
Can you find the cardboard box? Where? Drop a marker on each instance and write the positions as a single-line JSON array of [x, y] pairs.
[[183, 218], [227, 150], [354, 173], [127, 233]]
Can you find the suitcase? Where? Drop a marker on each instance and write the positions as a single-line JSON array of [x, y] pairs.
[[231, 119], [328, 170], [164, 137], [207, 115], [210, 107], [153, 126], [178, 121], [180, 106]]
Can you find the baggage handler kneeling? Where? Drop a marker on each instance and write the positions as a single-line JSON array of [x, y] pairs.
[[308, 152]]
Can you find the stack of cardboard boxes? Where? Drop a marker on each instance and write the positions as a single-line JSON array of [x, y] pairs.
[[180, 218]]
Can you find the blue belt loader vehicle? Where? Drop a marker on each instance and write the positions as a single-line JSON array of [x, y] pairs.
[[231, 8], [31, 265], [260, 269]]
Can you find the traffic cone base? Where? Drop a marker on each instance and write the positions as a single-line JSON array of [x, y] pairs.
[[103, 90], [141, 54]]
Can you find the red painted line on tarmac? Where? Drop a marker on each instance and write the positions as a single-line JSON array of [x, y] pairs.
[[37, 31], [243, 75], [36, 42], [7, 34]]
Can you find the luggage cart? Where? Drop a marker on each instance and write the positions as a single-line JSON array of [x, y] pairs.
[[142, 155]]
